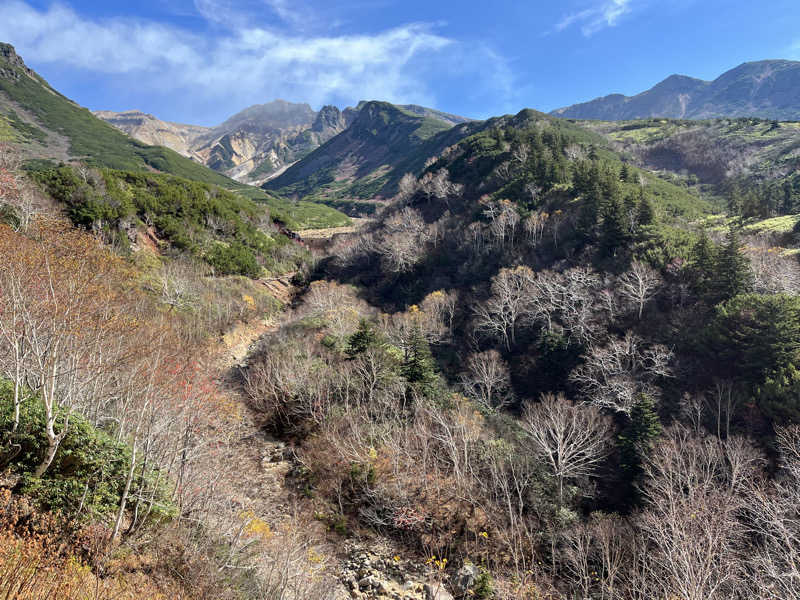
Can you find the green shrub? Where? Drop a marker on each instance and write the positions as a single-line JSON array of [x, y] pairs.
[[193, 217], [235, 259], [89, 469], [483, 588]]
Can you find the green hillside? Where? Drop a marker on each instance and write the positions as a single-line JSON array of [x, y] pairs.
[[62, 130], [202, 220], [749, 162], [90, 139]]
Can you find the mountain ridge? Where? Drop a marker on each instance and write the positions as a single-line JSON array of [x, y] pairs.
[[365, 161], [760, 89], [259, 142]]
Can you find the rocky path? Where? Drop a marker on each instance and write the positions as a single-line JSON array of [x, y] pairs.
[[256, 464], [254, 473]]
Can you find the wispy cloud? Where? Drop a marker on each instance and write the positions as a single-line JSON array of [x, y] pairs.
[[290, 12], [591, 20], [236, 14], [243, 63]]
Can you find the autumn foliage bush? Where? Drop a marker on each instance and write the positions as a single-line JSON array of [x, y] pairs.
[[41, 557]]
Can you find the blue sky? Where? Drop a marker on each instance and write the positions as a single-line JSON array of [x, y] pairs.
[[200, 61]]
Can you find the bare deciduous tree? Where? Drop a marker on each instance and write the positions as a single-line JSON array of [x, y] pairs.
[[403, 242], [614, 375], [692, 524], [773, 272], [503, 220], [500, 315], [407, 187], [438, 185], [772, 511], [573, 440], [487, 379], [534, 226], [639, 285]]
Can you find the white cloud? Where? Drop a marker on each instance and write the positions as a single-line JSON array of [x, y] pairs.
[[591, 20], [244, 62], [287, 11]]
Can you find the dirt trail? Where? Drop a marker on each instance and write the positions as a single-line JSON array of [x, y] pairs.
[[255, 465], [321, 234]]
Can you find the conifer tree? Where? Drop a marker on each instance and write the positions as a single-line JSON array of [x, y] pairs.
[[418, 366], [589, 213], [647, 214], [735, 201], [631, 210], [624, 173], [364, 337], [637, 440], [703, 263], [613, 230], [733, 275]]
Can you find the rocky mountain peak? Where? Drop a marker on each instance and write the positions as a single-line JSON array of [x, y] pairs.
[[329, 117], [275, 115], [8, 55]]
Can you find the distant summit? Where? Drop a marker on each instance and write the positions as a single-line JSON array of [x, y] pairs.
[[260, 142], [768, 89]]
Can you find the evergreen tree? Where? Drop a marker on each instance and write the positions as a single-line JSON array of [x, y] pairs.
[[703, 263], [753, 336], [613, 230], [752, 203], [624, 173], [610, 183], [581, 177], [631, 212], [636, 441], [589, 213], [787, 201], [418, 366], [364, 337], [647, 214], [733, 275], [735, 201]]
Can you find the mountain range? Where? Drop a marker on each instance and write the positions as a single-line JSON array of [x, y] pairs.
[[766, 89], [352, 158], [257, 143]]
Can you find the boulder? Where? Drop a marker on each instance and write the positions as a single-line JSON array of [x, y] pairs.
[[437, 591], [463, 580]]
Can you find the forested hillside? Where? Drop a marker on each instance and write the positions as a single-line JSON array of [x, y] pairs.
[[555, 375], [750, 165], [366, 161]]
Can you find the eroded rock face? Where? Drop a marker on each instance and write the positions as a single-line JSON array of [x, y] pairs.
[[150, 130], [251, 146]]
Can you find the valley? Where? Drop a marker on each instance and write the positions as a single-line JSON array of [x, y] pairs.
[[390, 353]]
